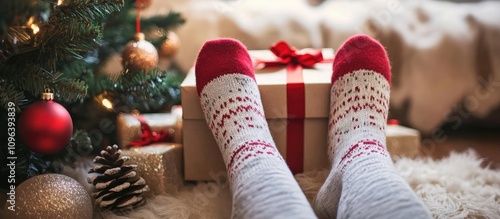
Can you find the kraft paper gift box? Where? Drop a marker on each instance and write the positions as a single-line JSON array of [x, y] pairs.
[[202, 158], [160, 164], [402, 141], [129, 126]]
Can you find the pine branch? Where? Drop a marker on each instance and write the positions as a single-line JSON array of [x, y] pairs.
[[157, 41], [146, 91], [8, 93], [33, 80], [84, 10], [18, 12], [81, 20], [70, 32], [14, 38], [70, 89], [80, 145], [135, 79], [30, 78], [22, 162], [102, 84], [79, 69], [38, 164], [172, 20]]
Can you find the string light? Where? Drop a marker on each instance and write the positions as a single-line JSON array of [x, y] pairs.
[[59, 2], [35, 28], [30, 21], [105, 100], [106, 103]]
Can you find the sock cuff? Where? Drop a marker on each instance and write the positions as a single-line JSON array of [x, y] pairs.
[[361, 52], [219, 57]]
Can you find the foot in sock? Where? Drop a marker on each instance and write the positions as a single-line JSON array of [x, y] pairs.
[[363, 182], [261, 183]]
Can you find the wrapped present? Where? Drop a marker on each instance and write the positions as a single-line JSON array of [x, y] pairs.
[[295, 92], [160, 164], [402, 141], [145, 129]]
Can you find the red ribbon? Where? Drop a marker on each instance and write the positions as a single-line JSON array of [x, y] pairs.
[[148, 136], [295, 61], [290, 55]]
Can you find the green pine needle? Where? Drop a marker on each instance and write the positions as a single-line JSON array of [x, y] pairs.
[[8, 93]]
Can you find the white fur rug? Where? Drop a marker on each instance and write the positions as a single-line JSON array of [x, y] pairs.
[[454, 187]]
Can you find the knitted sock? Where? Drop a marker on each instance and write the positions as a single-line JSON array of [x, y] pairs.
[[261, 183], [363, 182]]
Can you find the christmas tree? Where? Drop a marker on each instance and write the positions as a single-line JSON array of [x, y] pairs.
[[64, 46]]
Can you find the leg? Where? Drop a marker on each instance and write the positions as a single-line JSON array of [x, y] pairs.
[[363, 182], [261, 183]]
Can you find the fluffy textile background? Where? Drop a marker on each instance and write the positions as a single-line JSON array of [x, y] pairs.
[[454, 187], [443, 54]]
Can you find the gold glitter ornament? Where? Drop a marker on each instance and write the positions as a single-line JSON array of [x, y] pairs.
[[51, 196], [170, 46], [139, 54]]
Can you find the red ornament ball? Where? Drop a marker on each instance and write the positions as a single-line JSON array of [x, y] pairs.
[[45, 127]]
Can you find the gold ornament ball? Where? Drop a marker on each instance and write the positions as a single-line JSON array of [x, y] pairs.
[[51, 196], [170, 46], [139, 54]]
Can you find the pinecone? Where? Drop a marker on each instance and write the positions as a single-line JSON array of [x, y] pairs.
[[119, 188]]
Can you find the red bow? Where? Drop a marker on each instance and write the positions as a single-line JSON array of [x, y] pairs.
[[148, 136], [290, 55]]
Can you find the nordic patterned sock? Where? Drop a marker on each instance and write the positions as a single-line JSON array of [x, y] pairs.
[[261, 183], [363, 182]]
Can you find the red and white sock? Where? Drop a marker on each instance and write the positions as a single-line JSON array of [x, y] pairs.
[[261, 183], [363, 182]]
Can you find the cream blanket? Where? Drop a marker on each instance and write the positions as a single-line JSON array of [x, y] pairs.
[[445, 56]]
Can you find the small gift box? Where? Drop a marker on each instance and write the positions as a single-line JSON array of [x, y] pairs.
[[160, 164], [295, 93], [402, 141], [144, 129]]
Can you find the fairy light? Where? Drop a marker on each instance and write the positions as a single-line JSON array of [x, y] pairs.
[[106, 103], [30, 21], [35, 28], [59, 2]]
